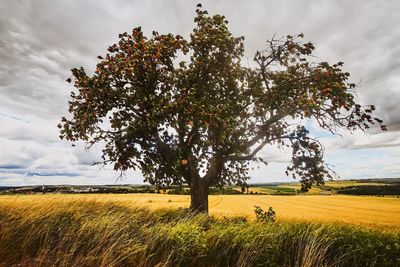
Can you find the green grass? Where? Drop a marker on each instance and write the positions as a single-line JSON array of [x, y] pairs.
[[91, 233]]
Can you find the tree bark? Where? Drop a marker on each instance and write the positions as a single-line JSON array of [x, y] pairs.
[[198, 196]]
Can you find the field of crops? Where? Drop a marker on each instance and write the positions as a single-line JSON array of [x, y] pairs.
[[382, 212], [329, 187], [118, 230]]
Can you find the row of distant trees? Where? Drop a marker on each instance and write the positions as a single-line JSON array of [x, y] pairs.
[[375, 190]]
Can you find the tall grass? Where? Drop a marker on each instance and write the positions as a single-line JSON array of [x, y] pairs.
[[91, 233]]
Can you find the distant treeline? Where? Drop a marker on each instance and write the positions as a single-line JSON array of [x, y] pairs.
[[389, 187], [78, 190], [375, 190], [112, 190]]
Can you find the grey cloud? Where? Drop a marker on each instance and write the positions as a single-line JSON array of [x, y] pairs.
[[361, 140], [13, 117], [12, 167], [41, 131], [86, 156]]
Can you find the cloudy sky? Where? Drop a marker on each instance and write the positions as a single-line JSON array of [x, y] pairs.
[[40, 41]]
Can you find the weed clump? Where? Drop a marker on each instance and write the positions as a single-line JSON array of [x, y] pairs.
[[265, 216]]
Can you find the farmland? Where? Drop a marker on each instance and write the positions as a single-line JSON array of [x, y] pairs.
[[87, 227], [369, 211], [330, 187], [132, 230]]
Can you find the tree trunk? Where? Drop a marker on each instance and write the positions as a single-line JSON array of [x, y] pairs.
[[198, 196]]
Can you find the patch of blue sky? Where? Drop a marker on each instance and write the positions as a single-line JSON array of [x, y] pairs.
[[317, 131], [45, 174], [362, 163], [12, 171], [352, 154]]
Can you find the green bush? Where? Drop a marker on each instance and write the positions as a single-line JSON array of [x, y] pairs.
[[265, 216]]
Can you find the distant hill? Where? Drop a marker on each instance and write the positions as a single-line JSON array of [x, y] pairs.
[[373, 186]]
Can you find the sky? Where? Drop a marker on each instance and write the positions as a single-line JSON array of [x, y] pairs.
[[40, 41]]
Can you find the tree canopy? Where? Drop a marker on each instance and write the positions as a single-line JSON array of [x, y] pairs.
[[188, 111]]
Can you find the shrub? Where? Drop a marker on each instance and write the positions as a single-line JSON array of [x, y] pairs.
[[265, 216]]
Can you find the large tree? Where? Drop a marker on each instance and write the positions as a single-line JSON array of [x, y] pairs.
[[189, 112]]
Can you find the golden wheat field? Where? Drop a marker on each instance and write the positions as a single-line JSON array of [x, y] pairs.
[[376, 212]]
